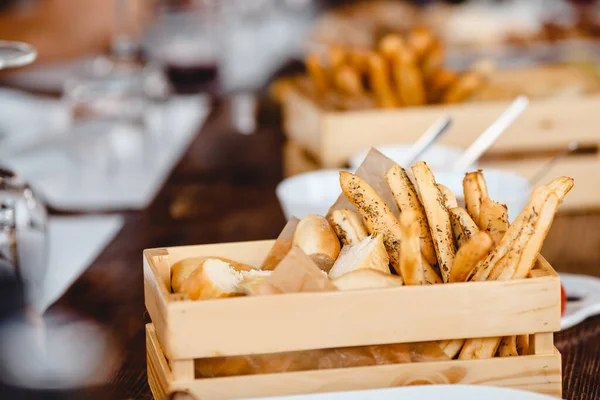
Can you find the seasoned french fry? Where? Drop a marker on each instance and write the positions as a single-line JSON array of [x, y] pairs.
[[538, 198], [348, 81], [449, 197], [463, 88], [377, 216], [479, 348], [379, 78], [411, 263], [438, 217], [451, 347], [475, 191], [463, 225], [523, 344], [407, 200], [561, 186], [534, 245], [348, 226], [508, 347], [493, 218], [467, 256], [317, 74]]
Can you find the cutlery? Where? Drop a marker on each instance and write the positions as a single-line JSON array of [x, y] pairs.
[[491, 134], [571, 147], [431, 135]]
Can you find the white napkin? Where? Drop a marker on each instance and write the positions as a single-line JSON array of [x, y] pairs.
[[75, 242], [57, 174]]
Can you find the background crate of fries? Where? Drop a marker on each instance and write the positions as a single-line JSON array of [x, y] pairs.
[[492, 324], [348, 103]]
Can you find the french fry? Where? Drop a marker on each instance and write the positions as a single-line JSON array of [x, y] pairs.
[[348, 226], [467, 256], [523, 344], [317, 74], [407, 200], [421, 40], [538, 198], [449, 197], [561, 186], [508, 347], [337, 57], [411, 263], [475, 190], [390, 46], [534, 245], [438, 217], [410, 86], [348, 81], [479, 348], [493, 218], [463, 225], [432, 62], [379, 79], [438, 83], [463, 88], [451, 347], [359, 60], [377, 216]]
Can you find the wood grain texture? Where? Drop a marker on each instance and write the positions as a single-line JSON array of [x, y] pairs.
[[537, 373], [223, 191], [453, 311]]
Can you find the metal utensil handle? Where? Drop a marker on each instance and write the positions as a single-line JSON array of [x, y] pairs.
[[491, 134], [571, 147], [431, 135]]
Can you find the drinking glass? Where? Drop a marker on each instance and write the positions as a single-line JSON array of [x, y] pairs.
[[108, 118], [184, 42]]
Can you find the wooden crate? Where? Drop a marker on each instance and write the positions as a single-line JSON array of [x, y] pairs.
[[320, 139], [184, 330]]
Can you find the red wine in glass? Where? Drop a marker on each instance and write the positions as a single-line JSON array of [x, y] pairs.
[[191, 78]]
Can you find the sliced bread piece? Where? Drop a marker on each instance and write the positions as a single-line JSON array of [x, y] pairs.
[[212, 279], [316, 238], [368, 253], [366, 279]]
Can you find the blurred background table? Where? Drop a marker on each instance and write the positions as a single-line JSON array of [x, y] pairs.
[[223, 191]]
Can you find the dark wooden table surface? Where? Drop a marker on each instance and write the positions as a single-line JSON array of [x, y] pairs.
[[223, 191]]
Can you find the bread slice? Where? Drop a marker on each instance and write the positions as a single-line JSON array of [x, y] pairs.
[[368, 253], [212, 279], [316, 238], [183, 268], [252, 279], [366, 279], [348, 226]]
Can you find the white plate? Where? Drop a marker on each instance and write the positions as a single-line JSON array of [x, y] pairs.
[[587, 290], [431, 392]]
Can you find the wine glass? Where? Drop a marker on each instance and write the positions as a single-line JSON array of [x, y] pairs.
[[16, 54]]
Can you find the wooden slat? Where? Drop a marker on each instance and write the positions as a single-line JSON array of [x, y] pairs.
[[541, 343], [271, 324]]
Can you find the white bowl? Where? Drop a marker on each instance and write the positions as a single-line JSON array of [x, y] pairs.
[[314, 192], [436, 157], [505, 187], [309, 193]]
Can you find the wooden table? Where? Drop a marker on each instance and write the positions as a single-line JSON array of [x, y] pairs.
[[223, 191]]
